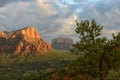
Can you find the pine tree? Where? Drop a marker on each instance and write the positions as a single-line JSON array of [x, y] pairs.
[[97, 53]]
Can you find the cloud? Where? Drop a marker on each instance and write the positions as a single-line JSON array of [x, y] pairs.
[[46, 18], [67, 27], [113, 15], [56, 18], [6, 2], [46, 7], [105, 12], [13, 15], [111, 32]]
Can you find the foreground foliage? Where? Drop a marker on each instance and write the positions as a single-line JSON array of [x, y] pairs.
[[98, 55]]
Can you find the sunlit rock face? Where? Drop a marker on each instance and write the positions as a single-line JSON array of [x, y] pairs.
[[26, 41], [25, 33], [3, 34], [62, 43]]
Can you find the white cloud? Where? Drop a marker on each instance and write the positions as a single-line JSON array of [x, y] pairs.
[[14, 15], [110, 32], [113, 15], [68, 26], [2, 10], [46, 7]]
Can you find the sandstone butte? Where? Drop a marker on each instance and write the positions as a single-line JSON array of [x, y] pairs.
[[26, 41], [62, 43]]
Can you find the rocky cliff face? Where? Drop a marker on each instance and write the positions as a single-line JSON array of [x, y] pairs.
[[3, 34], [25, 33], [62, 43], [25, 40]]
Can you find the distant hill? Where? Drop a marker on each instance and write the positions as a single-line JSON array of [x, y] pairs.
[[26, 41], [62, 43]]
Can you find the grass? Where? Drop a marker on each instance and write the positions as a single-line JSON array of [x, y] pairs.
[[58, 55]]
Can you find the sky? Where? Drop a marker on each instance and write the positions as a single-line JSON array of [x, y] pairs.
[[56, 18]]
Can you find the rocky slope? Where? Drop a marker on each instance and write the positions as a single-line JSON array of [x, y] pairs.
[[62, 43], [26, 41]]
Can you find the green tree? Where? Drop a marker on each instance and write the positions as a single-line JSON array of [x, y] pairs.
[[3, 58], [20, 58], [97, 53]]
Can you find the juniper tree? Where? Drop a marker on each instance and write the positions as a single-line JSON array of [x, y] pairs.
[[98, 53]]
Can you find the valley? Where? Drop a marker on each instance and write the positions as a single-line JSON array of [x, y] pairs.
[[19, 67]]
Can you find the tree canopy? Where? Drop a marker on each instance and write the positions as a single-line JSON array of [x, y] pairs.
[[98, 55]]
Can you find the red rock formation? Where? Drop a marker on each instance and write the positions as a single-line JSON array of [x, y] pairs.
[[25, 33], [3, 34], [62, 43], [25, 40]]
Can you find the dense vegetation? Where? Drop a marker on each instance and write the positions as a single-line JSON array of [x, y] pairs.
[[98, 55], [22, 67]]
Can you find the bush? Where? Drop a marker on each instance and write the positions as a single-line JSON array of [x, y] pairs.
[[113, 75]]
